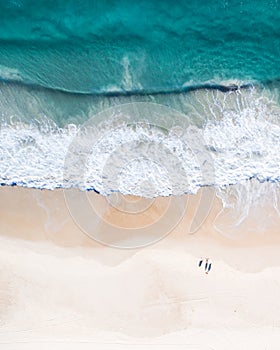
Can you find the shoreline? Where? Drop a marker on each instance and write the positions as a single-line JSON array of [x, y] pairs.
[[43, 215]]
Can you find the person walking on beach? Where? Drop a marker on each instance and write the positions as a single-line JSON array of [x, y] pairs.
[[207, 266]]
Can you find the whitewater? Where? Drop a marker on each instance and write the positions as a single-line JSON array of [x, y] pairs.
[[139, 144]]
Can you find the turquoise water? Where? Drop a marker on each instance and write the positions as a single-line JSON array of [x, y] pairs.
[[99, 46], [214, 64]]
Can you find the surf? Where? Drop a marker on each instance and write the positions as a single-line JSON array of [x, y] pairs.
[[236, 133]]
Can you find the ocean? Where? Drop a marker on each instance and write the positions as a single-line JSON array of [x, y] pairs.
[[148, 98]]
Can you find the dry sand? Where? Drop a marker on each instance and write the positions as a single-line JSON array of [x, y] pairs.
[[60, 289]]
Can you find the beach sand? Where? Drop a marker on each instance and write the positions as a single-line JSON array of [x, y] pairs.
[[61, 289]]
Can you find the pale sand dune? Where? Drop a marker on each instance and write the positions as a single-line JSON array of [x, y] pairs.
[[60, 289]]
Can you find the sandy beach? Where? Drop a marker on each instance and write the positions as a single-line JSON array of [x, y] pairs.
[[61, 289]]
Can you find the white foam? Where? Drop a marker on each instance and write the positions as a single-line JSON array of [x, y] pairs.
[[239, 140], [246, 141], [8, 73]]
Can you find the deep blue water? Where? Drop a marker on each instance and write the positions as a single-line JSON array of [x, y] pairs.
[[97, 46]]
